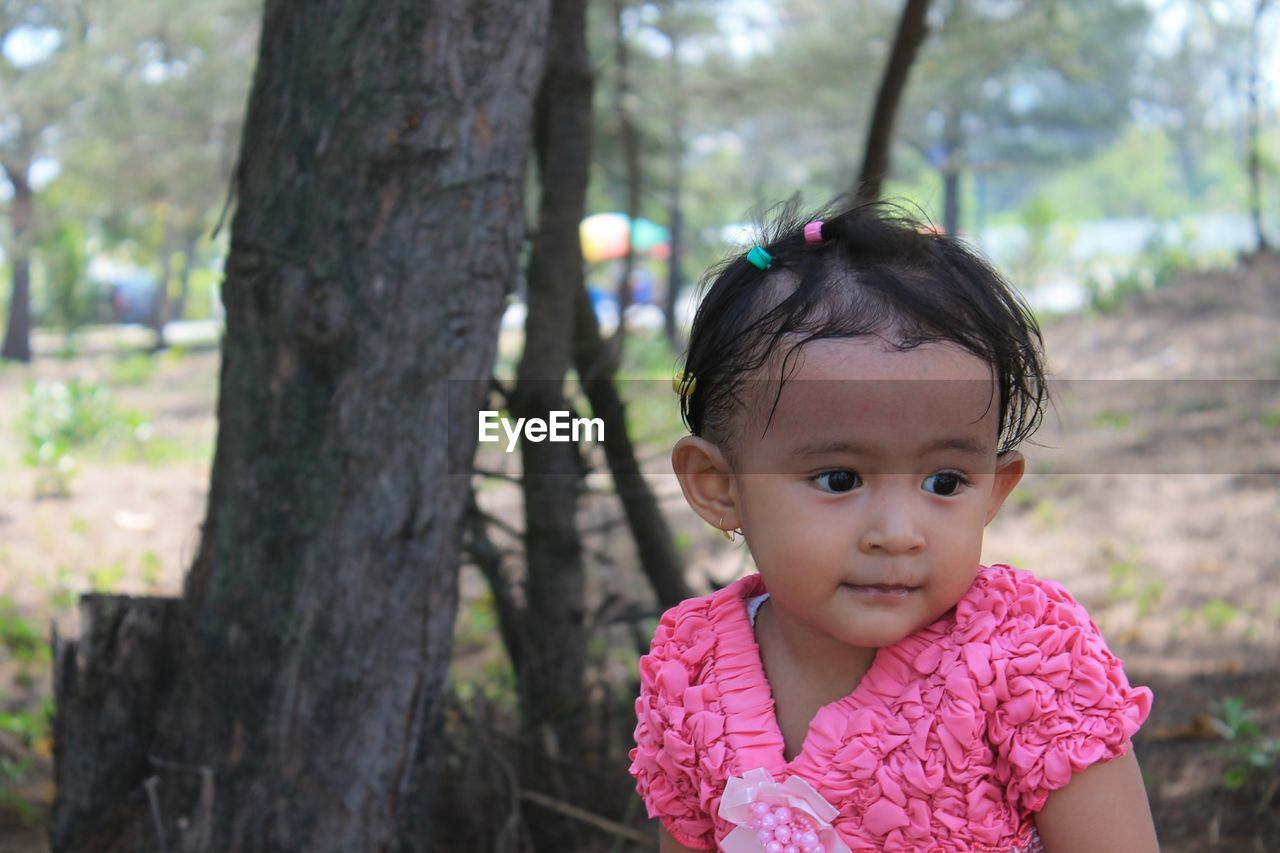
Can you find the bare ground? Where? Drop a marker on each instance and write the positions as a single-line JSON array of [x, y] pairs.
[[1170, 540]]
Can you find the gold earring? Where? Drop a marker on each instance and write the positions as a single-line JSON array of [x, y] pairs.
[[727, 534]]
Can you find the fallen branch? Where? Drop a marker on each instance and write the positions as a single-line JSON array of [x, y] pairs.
[[584, 816]]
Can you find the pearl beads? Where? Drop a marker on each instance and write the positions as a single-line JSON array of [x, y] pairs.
[[782, 830]]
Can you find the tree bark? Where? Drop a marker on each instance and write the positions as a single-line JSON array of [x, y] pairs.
[[551, 678], [911, 33], [380, 213], [17, 336]]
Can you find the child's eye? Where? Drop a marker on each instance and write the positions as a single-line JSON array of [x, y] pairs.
[[837, 481], [944, 483]]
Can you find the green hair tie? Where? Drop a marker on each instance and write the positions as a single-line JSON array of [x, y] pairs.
[[759, 258]]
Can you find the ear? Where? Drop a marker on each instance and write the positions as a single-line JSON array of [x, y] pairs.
[[705, 479], [1010, 467]]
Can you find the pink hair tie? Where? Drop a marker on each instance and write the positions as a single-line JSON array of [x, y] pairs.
[[813, 232]]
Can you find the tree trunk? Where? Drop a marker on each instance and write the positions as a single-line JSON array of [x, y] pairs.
[[189, 240], [675, 209], [17, 336], [1255, 122], [659, 558], [374, 242], [629, 136], [952, 144], [159, 315], [912, 30], [554, 648]]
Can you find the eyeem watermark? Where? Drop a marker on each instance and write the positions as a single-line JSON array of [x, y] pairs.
[[560, 427]]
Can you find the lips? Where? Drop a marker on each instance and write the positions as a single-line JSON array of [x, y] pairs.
[[885, 587]]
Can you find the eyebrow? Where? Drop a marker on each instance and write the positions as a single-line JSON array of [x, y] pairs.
[[839, 445]]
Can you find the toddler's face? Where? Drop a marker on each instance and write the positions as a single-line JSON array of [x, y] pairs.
[[864, 502]]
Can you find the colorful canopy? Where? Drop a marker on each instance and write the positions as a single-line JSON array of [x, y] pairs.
[[605, 235]]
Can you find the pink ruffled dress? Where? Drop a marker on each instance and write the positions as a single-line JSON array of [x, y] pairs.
[[952, 740]]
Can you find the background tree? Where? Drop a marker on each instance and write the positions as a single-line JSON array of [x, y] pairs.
[[912, 29], [36, 92], [378, 217], [1011, 87], [552, 652], [156, 143]]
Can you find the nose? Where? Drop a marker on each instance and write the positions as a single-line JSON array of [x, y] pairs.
[[892, 527]]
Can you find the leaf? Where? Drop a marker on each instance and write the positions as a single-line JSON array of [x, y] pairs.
[[1235, 778]]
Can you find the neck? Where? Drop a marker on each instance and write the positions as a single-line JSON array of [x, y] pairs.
[[815, 657]]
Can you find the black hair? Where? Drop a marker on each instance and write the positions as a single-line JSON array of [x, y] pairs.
[[877, 271]]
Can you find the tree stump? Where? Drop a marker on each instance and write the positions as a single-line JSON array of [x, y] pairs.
[[108, 686]]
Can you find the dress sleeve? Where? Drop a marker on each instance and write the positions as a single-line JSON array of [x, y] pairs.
[[1058, 700], [668, 758]]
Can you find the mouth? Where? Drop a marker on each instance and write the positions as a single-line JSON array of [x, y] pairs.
[[882, 590]]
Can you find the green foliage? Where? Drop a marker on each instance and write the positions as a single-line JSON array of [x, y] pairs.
[[132, 369], [63, 596], [105, 579], [1253, 755], [1159, 263], [1112, 419], [60, 416], [63, 416], [70, 302], [1036, 217], [151, 567], [647, 355], [31, 726], [20, 640], [1131, 581]]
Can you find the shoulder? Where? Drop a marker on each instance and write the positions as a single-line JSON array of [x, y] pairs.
[[1057, 699], [679, 756], [690, 634], [1006, 602]]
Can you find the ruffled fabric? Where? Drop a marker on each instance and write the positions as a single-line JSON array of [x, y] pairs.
[[678, 758], [951, 741], [1057, 700]]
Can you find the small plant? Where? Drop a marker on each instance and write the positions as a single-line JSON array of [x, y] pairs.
[[20, 640], [106, 578], [1148, 596], [1217, 614], [1253, 755], [133, 369], [1124, 581], [63, 595], [59, 417], [1046, 515], [151, 568], [63, 416], [1111, 419], [1131, 581]]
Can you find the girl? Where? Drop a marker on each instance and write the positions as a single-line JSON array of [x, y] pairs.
[[855, 390]]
